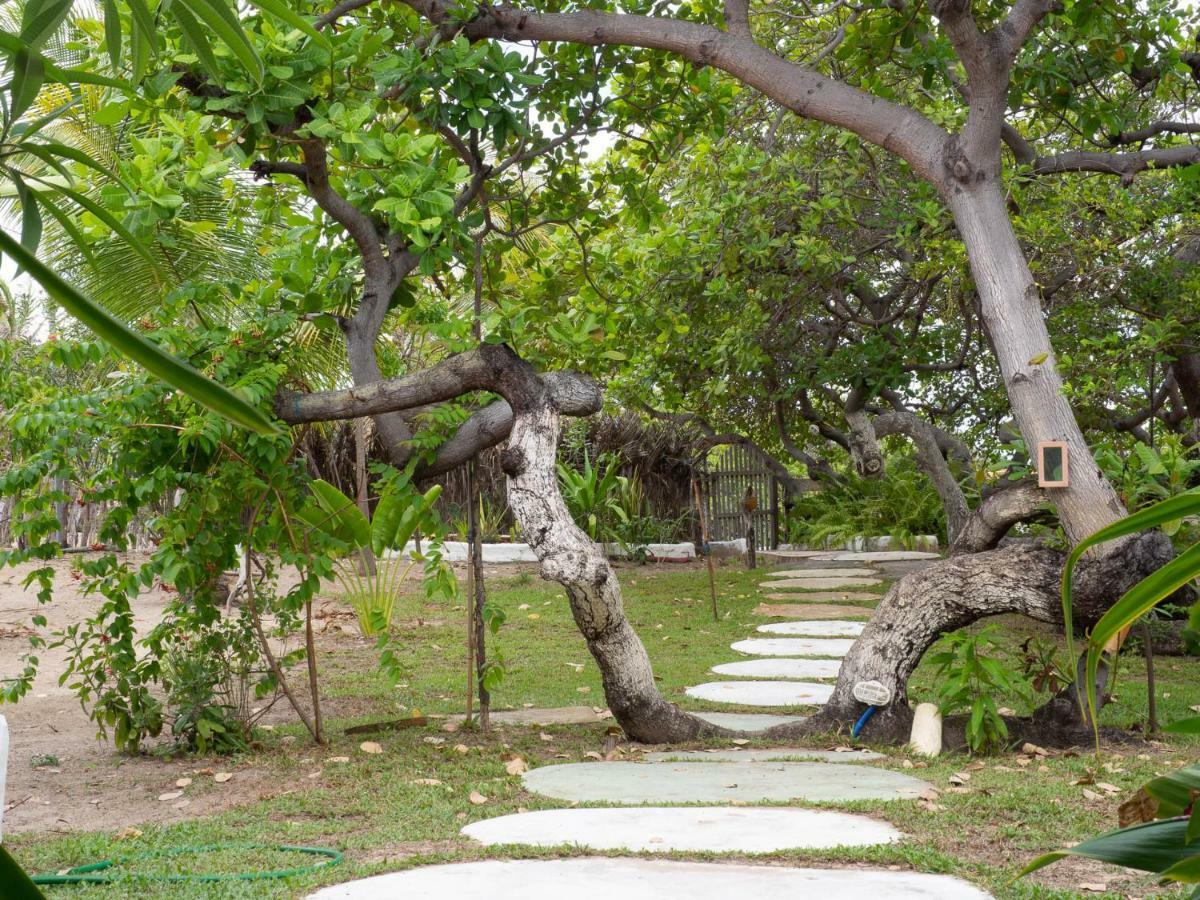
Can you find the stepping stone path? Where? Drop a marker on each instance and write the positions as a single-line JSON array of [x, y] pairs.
[[821, 583], [821, 573], [833, 628], [763, 693], [770, 754], [781, 668], [875, 556], [645, 879], [729, 776], [823, 598], [748, 722], [696, 829], [720, 782], [793, 646]]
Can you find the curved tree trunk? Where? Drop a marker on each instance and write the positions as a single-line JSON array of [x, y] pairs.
[[572, 559]]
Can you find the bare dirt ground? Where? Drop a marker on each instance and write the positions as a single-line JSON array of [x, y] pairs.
[[92, 786]]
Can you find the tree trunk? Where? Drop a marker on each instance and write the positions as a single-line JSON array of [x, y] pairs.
[[1013, 317], [954, 593], [569, 557]]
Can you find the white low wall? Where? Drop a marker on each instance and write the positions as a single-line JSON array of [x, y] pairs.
[[457, 551]]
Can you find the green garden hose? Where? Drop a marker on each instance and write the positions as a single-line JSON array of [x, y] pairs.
[[101, 872]]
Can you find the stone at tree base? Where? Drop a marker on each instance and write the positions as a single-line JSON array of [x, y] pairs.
[[835, 628], [645, 879], [720, 782], [748, 722], [762, 693], [697, 829], [769, 754], [830, 647], [554, 715], [780, 667], [818, 584], [820, 573], [926, 736]]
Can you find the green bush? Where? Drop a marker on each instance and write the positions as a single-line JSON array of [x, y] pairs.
[[902, 505]]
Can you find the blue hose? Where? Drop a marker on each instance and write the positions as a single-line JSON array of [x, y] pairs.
[[862, 721]]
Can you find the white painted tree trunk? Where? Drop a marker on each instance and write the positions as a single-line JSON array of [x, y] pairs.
[[569, 557]]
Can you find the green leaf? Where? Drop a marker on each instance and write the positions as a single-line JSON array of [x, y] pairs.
[[41, 19], [1186, 870], [108, 219], [224, 24], [176, 373], [31, 217], [28, 74], [287, 14], [112, 33], [346, 521], [143, 24], [198, 39], [1151, 847], [1135, 603]]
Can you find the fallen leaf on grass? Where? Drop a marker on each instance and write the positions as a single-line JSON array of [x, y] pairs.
[[170, 795], [128, 833], [1093, 887], [740, 742], [461, 748], [183, 782], [1091, 795], [338, 759], [546, 737], [222, 777], [477, 798], [370, 747], [428, 781], [592, 754], [959, 778], [515, 766]]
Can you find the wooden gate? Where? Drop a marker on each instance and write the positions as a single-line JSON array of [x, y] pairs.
[[731, 471]]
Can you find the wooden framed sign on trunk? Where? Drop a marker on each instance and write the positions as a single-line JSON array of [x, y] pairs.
[[1052, 464]]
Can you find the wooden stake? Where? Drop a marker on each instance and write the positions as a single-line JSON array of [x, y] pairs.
[[712, 578]]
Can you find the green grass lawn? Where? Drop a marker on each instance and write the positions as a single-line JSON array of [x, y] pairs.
[[405, 807]]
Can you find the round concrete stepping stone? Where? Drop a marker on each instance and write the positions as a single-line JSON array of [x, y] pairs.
[[645, 879], [762, 693], [698, 829], [870, 556], [781, 667], [792, 554], [820, 573], [833, 647], [823, 583], [748, 722], [828, 628], [720, 782], [768, 754], [823, 598]]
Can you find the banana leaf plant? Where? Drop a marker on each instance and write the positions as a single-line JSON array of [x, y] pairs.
[[369, 581], [1161, 832], [1165, 836]]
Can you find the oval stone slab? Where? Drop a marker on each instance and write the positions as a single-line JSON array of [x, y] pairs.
[[763, 693], [819, 573], [781, 667], [770, 754], [645, 879], [823, 583], [720, 782], [835, 647], [748, 722], [718, 829], [827, 628]]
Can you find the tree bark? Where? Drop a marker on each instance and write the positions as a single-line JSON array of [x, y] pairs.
[[1012, 314], [932, 463], [569, 557]]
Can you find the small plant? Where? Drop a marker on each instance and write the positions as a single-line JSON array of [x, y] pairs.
[[974, 674], [43, 760], [370, 583], [592, 494]]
